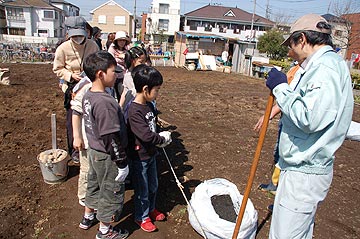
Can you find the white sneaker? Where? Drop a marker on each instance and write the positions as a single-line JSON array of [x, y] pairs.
[[82, 202]]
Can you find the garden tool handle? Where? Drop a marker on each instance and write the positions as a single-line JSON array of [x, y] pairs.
[[254, 165]]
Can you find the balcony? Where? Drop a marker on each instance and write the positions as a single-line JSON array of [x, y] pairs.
[[171, 11], [16, 18], [242, 35]]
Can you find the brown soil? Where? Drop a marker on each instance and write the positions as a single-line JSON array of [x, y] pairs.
[[212, 115]]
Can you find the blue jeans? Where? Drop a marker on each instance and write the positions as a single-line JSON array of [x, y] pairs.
[[145, 183]]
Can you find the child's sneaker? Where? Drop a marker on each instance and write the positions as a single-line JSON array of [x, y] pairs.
[[82, 202], [87, 223], [157, 216], [146, 225], [112, 234]]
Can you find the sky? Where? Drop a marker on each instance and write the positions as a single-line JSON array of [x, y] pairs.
[[289, 9]]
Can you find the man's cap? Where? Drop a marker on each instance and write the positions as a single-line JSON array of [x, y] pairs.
[[306, 23], [76, 26]]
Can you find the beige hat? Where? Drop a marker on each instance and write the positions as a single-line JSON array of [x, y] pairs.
[[122, 35], [307, 23]]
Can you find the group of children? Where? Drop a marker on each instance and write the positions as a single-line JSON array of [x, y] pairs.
[[105, 87]]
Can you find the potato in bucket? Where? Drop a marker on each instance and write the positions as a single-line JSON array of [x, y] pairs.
[[54, 166]]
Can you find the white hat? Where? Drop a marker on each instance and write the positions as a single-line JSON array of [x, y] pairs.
[[121, 35]]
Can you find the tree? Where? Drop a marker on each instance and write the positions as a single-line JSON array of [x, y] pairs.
[[270, 43], [346, 11]]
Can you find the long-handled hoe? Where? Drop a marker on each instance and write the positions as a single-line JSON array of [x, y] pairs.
[[254, 165]]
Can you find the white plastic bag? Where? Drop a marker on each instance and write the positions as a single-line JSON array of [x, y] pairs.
[[213, 226], [354, 131]]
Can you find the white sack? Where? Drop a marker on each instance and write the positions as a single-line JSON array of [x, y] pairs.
[[212, 224], [354, 131]]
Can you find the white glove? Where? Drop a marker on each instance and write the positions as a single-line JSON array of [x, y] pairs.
[[167, 136], [122, 173]]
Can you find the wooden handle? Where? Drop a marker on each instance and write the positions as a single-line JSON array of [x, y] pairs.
[[254, 165]]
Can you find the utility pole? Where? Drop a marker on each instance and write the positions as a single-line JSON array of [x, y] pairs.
[[134, 34], [267, 13], [252, 21]]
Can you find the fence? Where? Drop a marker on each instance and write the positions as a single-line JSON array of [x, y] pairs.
[[26, 52]]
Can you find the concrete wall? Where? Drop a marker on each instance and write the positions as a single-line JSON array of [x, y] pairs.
[[28, 39]]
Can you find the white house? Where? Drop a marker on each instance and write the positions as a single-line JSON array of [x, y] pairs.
[[37, 17], [164, 17], [69, 8]]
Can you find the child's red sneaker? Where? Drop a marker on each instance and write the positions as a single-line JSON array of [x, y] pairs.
[[157, 216], [146, 225]]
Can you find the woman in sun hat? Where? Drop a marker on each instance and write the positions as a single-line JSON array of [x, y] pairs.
[[118, 49]]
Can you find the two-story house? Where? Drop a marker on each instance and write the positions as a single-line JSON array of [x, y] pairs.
[[354, 42], [35, 18], [340, 33], [229, 22], [68, 8], [163, 19], [112, 17]]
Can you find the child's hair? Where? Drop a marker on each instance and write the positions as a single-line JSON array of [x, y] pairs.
[[117, 47], [98, 61], [132, 54], [146, 75]]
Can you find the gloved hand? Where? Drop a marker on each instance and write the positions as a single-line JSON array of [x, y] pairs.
[[275, 78], [122, 173], [167, 136]]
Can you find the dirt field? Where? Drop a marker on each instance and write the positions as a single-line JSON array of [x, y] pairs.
[[212, 115]]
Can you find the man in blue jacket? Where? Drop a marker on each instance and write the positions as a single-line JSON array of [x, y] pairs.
[[316, 117]]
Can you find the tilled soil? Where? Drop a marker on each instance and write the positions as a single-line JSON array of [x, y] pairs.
[[212, 115]]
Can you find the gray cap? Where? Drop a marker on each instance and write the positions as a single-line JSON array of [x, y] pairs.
[[76, 26]]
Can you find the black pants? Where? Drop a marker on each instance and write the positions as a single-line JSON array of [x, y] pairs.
[[118, 87], [69, 135]]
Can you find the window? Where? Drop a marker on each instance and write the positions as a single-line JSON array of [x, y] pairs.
[[102, 19], [164, 8], [2, 14], [163, 24], [43, 33], [119, 20], [49, 14], [15, 13]]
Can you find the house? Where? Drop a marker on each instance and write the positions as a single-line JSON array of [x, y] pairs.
[[35, 18], [3, 29], [69, 8], [112, 17], [163, 19], [340, 33], [230, 22], [354, 43], [201, 44]]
